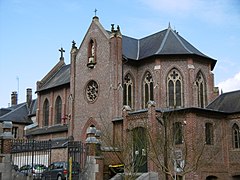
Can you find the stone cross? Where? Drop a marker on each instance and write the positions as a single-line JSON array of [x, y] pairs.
[[95, 11], [62, 51]]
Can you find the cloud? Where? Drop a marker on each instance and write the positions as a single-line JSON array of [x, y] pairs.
[[214, 11], [230, 84]]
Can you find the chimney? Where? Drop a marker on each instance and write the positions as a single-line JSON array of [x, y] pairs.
[[29, 96], [14, 98]]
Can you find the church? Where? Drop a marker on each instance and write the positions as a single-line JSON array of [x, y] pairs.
[[153, 100]]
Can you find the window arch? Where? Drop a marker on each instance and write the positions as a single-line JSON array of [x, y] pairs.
[[46, 113], [201, 90], [128, 91], [236, 136], [177, 132], [147, 89], [174, 88], [209, 133], [58, 110]]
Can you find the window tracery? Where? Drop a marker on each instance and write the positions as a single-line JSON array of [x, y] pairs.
[[128, 91], [236, 136], [147, 89], [201, 95], [92, 91], [174, 88]]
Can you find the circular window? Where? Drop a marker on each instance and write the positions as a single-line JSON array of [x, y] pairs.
[[92, 91]]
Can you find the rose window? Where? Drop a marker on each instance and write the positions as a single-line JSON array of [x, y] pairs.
[[92, 91]]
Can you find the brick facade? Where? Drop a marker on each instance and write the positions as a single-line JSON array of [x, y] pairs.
[[100, 104]]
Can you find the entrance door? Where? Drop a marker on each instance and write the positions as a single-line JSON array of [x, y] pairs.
[[140, 149]]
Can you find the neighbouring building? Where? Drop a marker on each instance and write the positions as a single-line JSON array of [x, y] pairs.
[[19, 114], [153, 99]]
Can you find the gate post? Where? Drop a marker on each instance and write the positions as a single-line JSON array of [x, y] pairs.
[[6, 148], [94, 158]]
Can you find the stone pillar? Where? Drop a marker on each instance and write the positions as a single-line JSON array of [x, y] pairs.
[[94, 158], [5, 156]]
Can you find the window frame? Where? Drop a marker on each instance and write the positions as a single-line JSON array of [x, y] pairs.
[[236, 136], [178, 133], [128, 91], [201, 90], [148, 92], [58, 110], [174, 88], [46, 113], [209, 133]]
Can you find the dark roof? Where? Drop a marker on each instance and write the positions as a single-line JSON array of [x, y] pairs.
[[17, 114], [33, 108], [166, 42], [226, 102], [47, 130], [61, 77]]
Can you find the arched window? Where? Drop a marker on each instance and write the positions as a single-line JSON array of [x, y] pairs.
[[209, 133], [236, 136], [46, 113], [128, 91], [174, 89], [147, 89], [177, 133], [58, 110], [201, 90]]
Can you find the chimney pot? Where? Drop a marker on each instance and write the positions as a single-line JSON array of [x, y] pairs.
[[14, 98], [29, 96]]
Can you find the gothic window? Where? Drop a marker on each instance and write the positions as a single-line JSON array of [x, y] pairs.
[[174, 89], [128, 91], [201, 95], [147, 89], [92, 91], [46, 113], [91, 54], [209, 133], [177, 133], [58, 110], [236, 136]]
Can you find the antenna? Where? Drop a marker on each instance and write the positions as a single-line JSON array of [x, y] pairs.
[[17, 86]]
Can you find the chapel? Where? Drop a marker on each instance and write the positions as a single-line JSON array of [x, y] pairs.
[[153, 100]]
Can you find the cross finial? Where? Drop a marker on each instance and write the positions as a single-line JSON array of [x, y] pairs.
[[62, 51], [95, 11]]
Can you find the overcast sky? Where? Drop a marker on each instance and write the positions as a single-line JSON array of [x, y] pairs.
[[32, 31]]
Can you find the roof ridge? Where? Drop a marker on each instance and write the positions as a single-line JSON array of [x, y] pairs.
[[180, 41], [138, 49], [53, 75], [163, 42], [23, 104]]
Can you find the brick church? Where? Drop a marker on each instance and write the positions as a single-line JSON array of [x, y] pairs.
[[153, 99]]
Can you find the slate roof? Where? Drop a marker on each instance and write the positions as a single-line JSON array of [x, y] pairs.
[[166, 42], [17, 114], [61, 77], [47, 130], [226, 102]]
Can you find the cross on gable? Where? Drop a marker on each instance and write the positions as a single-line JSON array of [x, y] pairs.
[[62, 51], [95, 11]]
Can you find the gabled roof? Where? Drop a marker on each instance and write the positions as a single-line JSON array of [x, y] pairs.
[[61, 77], [226, 102], [17, 114], [166, 42]]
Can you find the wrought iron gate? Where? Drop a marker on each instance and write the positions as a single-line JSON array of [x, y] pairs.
[[29, 152]]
